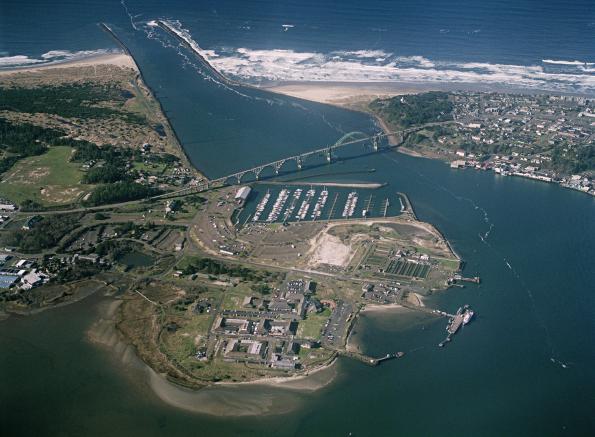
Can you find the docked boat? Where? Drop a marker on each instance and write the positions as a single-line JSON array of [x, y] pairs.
[[467, 316]]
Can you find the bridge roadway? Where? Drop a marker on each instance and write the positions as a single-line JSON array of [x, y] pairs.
[[327, 151]]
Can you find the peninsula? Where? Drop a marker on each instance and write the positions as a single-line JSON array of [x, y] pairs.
[[98, 197]]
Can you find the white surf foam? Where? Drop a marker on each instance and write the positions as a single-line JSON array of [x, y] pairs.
[[285, 65], [557, 62], [51, 57]]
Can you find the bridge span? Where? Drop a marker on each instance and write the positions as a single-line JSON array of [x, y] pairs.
[[299, 160]]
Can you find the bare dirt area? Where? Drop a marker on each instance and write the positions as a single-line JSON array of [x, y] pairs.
[[328, 249]]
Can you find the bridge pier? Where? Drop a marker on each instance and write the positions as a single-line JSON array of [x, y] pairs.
[[300, 159], [257, 172], [277, 165]]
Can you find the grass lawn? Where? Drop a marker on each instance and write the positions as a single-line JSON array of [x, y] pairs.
[[234, 296], [49, 179], [311, 327], [155, 169], [450, 264]]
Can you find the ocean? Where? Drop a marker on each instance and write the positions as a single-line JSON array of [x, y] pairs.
[[523, 367], [548, 45]]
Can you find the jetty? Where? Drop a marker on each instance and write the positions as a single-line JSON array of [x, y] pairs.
[[370, 361]]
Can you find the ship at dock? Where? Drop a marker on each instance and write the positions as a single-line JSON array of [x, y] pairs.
[[462, 317]]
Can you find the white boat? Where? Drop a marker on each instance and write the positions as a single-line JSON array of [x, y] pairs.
[[261, 206]]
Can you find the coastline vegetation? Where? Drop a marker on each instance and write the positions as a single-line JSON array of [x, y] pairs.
[[44, 235], [416, 109], [82, 100], [119, 192]]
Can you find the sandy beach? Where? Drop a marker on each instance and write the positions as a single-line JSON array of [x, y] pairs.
[[116, 59], [344, 93], [381, 307], [311, 380]]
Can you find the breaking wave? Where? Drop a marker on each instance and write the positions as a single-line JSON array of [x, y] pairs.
[[286, 65], [51, 57]]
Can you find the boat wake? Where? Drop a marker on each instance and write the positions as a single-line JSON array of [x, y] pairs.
[[559, 363], [505, 260], [123, 3]]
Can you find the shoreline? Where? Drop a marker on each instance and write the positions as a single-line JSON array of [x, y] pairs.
[[285, 382], [119, 59], [122, 59], [344, 94]]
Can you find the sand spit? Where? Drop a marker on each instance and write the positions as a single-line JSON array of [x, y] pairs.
[[117, 59], [254, 398], [344, 93], [311, 381]]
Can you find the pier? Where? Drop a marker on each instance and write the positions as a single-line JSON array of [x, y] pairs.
[[462, 317], [370, 361]]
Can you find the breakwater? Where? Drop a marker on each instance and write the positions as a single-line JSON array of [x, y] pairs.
[[369, 185], [140, 79], [193, 47]]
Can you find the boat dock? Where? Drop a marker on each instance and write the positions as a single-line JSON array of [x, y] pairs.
[[462, 317], [371, 361]]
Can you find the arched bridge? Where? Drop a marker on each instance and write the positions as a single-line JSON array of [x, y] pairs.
[[299, 160], [327, 151]]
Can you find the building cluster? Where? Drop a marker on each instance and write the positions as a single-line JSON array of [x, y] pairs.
[[264, 330], [381, 293], [533, 136], [20, 274]]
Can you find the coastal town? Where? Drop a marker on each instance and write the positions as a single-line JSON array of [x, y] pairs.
[[542, 137]]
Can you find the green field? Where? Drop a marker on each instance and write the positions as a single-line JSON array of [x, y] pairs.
[[408, 268], [311, 327], [49, 179]]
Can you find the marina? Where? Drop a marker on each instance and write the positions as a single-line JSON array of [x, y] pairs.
[[261, 206], [278, 205], [283, 204], [350, 205]]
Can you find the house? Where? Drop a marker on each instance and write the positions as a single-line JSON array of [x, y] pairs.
[[461, 153]]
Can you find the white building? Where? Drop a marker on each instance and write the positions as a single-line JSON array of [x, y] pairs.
[[7, 207], [242, 194]]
